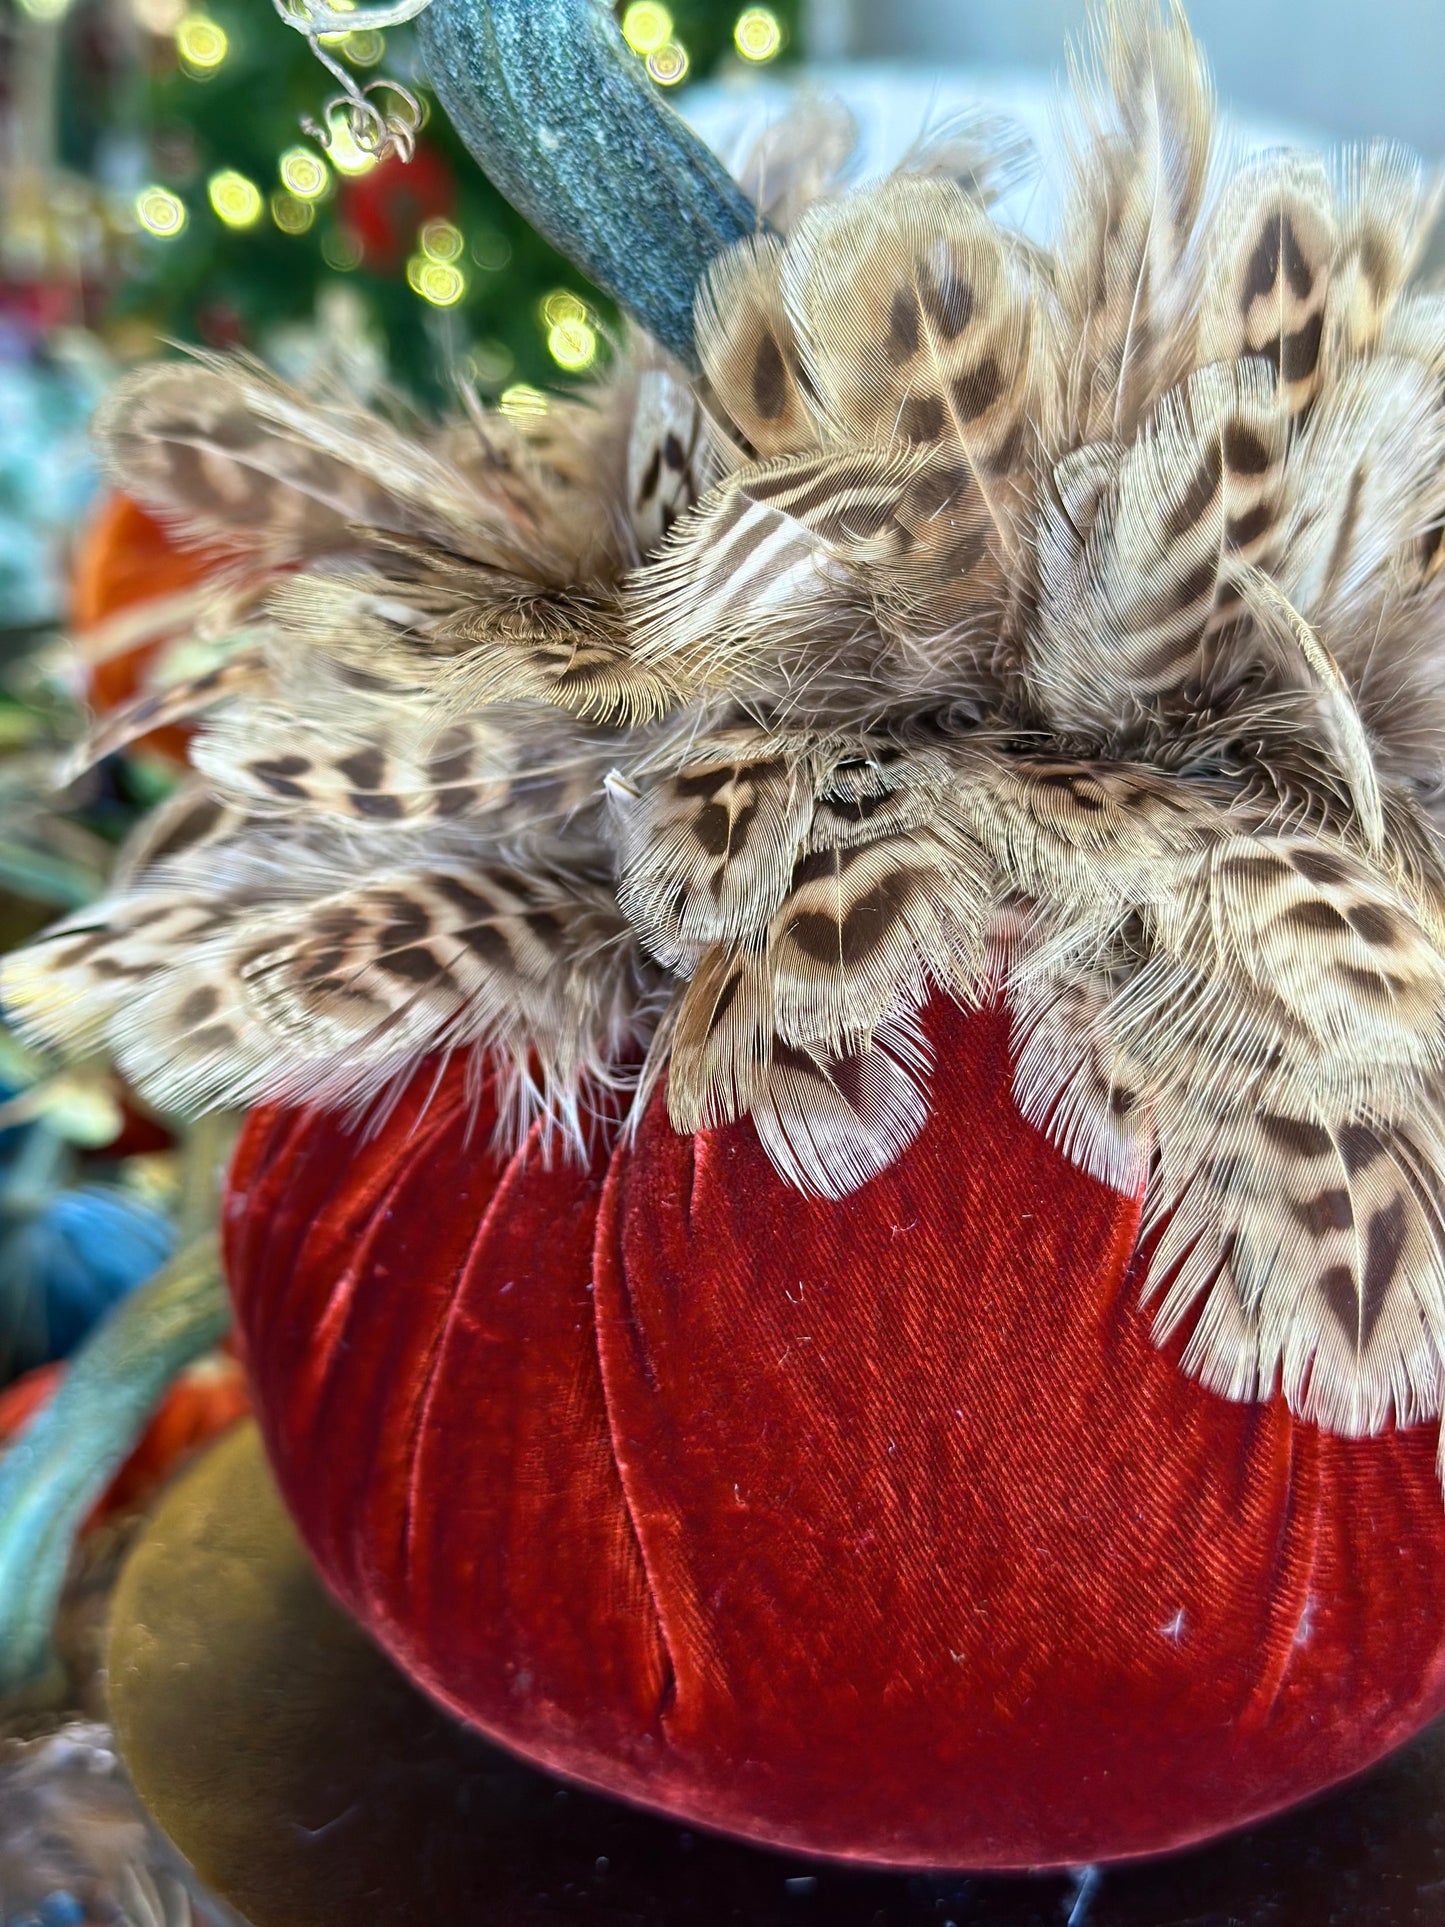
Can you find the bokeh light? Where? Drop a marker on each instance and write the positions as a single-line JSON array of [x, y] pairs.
[[44, 9], [646, 26], [441, 283], [341, 250], [440, 241], [669, 64], [363, 46], [562, 305], [304, 173], [201, 43], [160, 212], [758, 34], [343, 151], [491, 250], [572, 344], [236, 200], [488, 363], [521, 401], [289, 214]]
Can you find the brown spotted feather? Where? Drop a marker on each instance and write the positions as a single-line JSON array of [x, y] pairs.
[[749, 352], [1127, 273], [1267, 283]]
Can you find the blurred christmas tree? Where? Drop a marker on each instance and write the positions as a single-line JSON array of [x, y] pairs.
[[156, 185], [245, 222]]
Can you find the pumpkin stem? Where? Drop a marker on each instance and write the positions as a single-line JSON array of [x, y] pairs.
[[561, 117]]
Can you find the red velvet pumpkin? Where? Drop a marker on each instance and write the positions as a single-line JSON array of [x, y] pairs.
[[876, 1529]]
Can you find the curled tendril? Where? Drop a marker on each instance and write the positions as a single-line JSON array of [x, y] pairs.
[[314, 16], [375, 129]]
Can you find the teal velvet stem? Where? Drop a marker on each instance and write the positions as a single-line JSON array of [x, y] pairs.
[[46, 879], [561, 117], [61, 1464]]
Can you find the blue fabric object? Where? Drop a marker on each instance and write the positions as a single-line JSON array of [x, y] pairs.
[[61, 1909], [65, 1264]]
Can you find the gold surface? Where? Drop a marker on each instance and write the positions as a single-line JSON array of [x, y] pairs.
[[233, 1682]]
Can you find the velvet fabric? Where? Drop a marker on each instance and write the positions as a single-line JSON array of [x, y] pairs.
[[876, 1529]]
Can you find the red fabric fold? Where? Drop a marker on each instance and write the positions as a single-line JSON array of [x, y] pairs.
[[420, 1314], [875, 1528]]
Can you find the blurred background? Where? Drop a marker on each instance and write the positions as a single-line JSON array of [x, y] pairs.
[[1352, 68]]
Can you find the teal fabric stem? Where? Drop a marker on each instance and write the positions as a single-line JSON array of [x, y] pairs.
[[60, 1465], [45, 879], [561, 117]]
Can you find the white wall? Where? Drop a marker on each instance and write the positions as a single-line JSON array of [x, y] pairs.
[[1349, 67]]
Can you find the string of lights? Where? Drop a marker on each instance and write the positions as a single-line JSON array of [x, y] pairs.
[[247, 197], [437, 270]]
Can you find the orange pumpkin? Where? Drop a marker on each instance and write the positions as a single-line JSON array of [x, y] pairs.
[[125, 557]]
